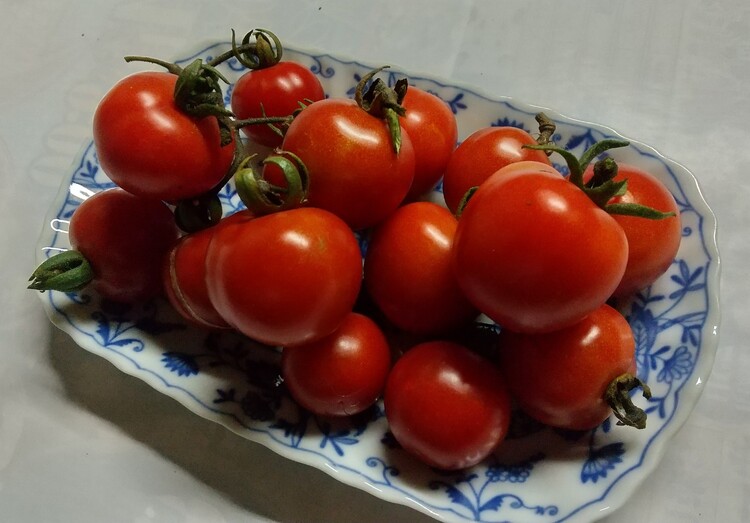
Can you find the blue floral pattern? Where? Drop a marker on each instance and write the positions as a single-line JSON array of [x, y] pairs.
[[234, 381]]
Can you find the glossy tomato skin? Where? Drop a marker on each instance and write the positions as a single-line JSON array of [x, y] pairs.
[[532, 251], [481, 154], [286, 278], [433, 131], [560, 378], [149, 147], [125, 238], [184, 276], [342, 374], [652, 244], [354, 171], [446, 405], [273, 91], [408, 270]]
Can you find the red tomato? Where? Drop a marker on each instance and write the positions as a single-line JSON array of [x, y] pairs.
[[481, 154], [353, 168], [652, 244], [534, 253], [285, 278], [408, 270], [432, 129], [342, 374], [560, 378], [446, 405], [125, 238], [184, 276], [273, 91], [149, 147]]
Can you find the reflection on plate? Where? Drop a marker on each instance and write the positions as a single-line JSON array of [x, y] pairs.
[[540, 476]]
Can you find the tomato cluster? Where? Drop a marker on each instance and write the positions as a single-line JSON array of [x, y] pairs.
[[537, 252]]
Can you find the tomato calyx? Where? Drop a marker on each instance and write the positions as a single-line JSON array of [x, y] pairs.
[[602, 187], [618, 398], [262, 197], [384, 102], [265, 52], [68, 271]]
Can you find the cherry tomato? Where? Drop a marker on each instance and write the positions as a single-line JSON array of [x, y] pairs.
[[273, 91], [560, 378], [534, 253], [354, 171], [184, 276], [433, 132], [481, 154], [285, 278], [125, 238], [446, 405], [341, 374], [652, 244], [149, 147], [408, 270]]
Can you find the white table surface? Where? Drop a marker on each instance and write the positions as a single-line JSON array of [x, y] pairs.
[[81, 442]]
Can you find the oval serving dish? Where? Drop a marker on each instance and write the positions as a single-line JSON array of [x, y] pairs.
[[540, 476]]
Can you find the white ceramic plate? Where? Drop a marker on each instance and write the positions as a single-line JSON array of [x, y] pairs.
[[542, 476]]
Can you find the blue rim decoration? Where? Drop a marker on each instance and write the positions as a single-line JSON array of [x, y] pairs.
[[674, 322]]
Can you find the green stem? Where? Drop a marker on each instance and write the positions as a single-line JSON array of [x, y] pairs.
[[169, 66]]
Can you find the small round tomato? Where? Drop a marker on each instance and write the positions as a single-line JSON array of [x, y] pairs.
[[184, 276], [285, 278], [408, 270], [534, 253], [342, 374], [561, 378], [433, 131], [481, 154], [446, 405], [277, 90], [149, 147], [354, 170], [125, 239], [652, 244]]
